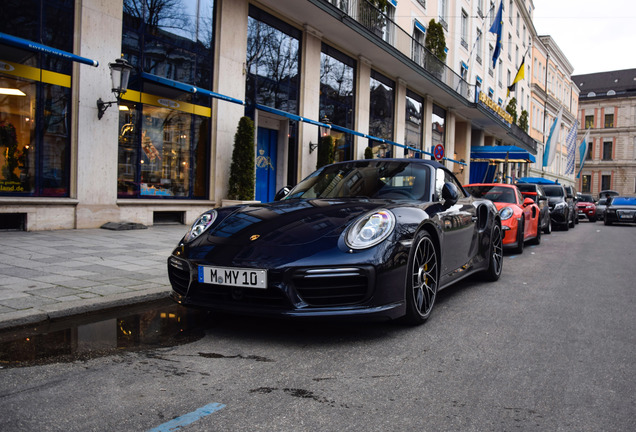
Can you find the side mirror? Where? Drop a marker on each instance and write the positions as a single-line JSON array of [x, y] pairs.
[[450, 195], [527, 202], [282, 193]]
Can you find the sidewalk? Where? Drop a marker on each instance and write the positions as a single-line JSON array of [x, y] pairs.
[[53, 274]]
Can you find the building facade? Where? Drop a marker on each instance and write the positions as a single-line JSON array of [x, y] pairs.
[[552, 91], [163, 152], [607, 108]]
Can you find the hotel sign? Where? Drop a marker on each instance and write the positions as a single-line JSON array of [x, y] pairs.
[[485, 100]]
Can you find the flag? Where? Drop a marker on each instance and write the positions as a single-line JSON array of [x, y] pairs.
[[497, 28], [518, 77], [570, 143], [553, 139], [583, 151]]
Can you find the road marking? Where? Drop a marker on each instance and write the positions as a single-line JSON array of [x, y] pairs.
[[186, 419]]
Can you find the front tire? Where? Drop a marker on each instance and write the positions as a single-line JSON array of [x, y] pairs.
[[495, 266], [548, 228], [422, 279]]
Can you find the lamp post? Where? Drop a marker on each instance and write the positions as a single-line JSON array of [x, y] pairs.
[[119, 75]]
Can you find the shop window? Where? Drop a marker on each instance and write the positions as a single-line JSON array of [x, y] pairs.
[[439, 126], [35, 108], [337, 97], [164, 138], [382, 103], [273, 62], [413, 123]]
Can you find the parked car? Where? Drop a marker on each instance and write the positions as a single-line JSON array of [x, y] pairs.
[[600, 208], [586, 207], [372, 238], [620, 209], [571, 198], [560, 212], [536, 192], [607, 193], [519, 216]]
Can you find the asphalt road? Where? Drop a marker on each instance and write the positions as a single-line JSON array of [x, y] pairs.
[[551, 346]]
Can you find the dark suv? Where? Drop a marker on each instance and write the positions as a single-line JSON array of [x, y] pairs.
[[536, 192], [559, 209]]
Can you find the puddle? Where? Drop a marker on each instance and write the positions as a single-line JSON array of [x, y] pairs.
[[157, 324]]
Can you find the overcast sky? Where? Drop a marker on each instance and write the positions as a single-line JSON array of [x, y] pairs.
[[595, 36]]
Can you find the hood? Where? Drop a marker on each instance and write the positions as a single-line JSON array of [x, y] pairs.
[[288, 222], [557, 199]]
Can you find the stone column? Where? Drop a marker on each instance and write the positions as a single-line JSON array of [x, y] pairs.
[[94, 183]]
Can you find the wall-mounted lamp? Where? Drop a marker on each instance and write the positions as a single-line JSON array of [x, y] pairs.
[[462, 166], [323, 131], [119, 74]]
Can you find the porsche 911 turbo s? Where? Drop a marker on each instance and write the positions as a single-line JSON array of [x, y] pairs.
[[371, 238]]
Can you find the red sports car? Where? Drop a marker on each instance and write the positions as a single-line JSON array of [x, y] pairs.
[[519, 215]]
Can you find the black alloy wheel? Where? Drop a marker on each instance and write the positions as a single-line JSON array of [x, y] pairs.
[[495, 266], [422, 279], [548, 227]]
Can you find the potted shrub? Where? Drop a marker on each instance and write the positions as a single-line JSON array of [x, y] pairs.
[[325, 151], [242, 169]]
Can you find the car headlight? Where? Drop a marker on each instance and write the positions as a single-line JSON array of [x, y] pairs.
[[199, 226], [506, 213], [560, 205], [370, 229]]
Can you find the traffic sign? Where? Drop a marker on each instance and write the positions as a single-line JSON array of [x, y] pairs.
[[438, 152]]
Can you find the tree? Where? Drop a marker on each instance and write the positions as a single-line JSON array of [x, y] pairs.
[[435, 40], [242, 169], [511, 109], [523, 120]]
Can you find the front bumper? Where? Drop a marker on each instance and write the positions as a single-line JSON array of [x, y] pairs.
[[334, 291], [618, 216], [559, 215]]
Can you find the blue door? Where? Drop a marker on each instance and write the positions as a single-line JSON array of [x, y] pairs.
[[266, 148]]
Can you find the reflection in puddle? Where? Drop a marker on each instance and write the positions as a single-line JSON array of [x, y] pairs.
[[157, 324]]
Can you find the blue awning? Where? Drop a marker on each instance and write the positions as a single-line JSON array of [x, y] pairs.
[[37, 47], [501, 154], [536, 180]]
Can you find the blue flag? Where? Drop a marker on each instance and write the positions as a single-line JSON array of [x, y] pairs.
[[553, 140], [570, 143], [583, 152], [497, 28]]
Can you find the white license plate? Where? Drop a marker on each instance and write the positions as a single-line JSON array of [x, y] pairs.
[[233, 276]]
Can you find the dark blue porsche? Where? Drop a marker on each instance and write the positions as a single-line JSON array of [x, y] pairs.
[[375, 238]]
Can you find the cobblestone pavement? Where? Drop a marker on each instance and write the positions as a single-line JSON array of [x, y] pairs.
[[52, 274]]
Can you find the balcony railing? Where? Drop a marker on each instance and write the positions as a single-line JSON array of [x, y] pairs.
[[385, 28]]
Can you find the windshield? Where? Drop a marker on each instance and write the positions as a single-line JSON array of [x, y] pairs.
[[554, 191], [586, 198], [368, 179], [621, 201], [493, 193]]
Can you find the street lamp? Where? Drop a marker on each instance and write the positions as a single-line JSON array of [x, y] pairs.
[[119, 74]]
